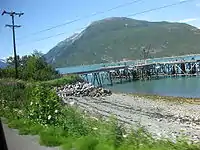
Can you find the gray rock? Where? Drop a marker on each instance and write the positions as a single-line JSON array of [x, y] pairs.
[[81, 89]]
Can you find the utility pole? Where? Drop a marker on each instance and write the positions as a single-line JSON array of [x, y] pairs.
[[145, 52], [13, 26]]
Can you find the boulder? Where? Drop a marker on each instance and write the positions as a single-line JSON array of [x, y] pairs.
[[81, 89]]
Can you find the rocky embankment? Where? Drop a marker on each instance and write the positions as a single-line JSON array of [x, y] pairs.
[[81, 89], [168, 119]]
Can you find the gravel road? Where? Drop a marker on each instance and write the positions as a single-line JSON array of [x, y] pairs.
[[168, 119]]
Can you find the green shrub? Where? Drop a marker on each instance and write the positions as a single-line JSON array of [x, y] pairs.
[[30, 68], [16, 123], [52, 136], [136, 139], [32, 129], [86, 143], [25, 126], [103, 146], [8, 72], [111, 133], [69, 79], [68, 143], [12, 98], [51, 140], [45, 106], [73, 122]]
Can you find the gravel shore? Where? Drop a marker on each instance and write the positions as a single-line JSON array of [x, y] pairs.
[[161, 118]]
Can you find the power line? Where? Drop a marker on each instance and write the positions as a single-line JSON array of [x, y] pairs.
[[13, 26], [146, 11], [88, 16], [51, 36], [162, 7]]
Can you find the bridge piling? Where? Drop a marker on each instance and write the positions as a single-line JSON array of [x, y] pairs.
[[110, 76]]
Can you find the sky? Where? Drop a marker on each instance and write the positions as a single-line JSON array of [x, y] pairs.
[[43, 14]]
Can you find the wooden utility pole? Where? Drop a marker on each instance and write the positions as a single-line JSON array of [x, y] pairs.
[[13, 26]]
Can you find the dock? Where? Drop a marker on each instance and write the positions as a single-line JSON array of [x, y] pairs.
[[141, 70]]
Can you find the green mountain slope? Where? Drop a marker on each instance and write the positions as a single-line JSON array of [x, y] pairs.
[[118, 38]]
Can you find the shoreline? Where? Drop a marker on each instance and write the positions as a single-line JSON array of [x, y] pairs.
[[189, 100], [160, 117]]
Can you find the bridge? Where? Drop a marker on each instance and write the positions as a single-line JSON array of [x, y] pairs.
[[102, 69], [141, 70]]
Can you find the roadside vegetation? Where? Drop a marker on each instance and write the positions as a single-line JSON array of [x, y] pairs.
[[31, 105]]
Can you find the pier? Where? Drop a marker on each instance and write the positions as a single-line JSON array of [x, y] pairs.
[[141, 70]]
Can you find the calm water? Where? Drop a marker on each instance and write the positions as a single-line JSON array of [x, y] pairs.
[[181, 87], [184, 87]]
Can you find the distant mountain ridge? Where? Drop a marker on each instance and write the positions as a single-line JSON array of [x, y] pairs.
[[2, 63], [118, 38], [55, 52]]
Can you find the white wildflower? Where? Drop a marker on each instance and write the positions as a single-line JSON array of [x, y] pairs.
[[49, 117], [125, 135], [15, 110], [94, 118], [56, 111], [71, 103], [95, 128], [20, 111], [31, 103]]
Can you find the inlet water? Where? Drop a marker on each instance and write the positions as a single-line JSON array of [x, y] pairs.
[[178, 87], [181, 87]]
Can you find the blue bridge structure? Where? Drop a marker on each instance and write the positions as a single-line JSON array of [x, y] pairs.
[[148, 69]]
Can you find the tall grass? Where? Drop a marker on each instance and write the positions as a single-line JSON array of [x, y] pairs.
[[62, 81]]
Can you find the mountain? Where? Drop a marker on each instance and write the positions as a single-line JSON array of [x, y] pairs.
[[118, 38], [2, 64]]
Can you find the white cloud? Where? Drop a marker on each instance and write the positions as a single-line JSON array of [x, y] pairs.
[[198, 4], [188, 20]]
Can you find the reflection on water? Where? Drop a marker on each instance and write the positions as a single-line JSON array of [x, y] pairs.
[[182, 86]]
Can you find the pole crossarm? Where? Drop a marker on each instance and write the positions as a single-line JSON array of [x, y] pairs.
[[12, 13], [11, 26]]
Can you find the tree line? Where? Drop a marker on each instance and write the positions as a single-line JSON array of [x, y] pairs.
[[30, 67]]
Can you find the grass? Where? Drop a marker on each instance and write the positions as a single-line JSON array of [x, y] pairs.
[[63, 80], [69, 79], [68, 145], [51, 138], [25, 127]]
